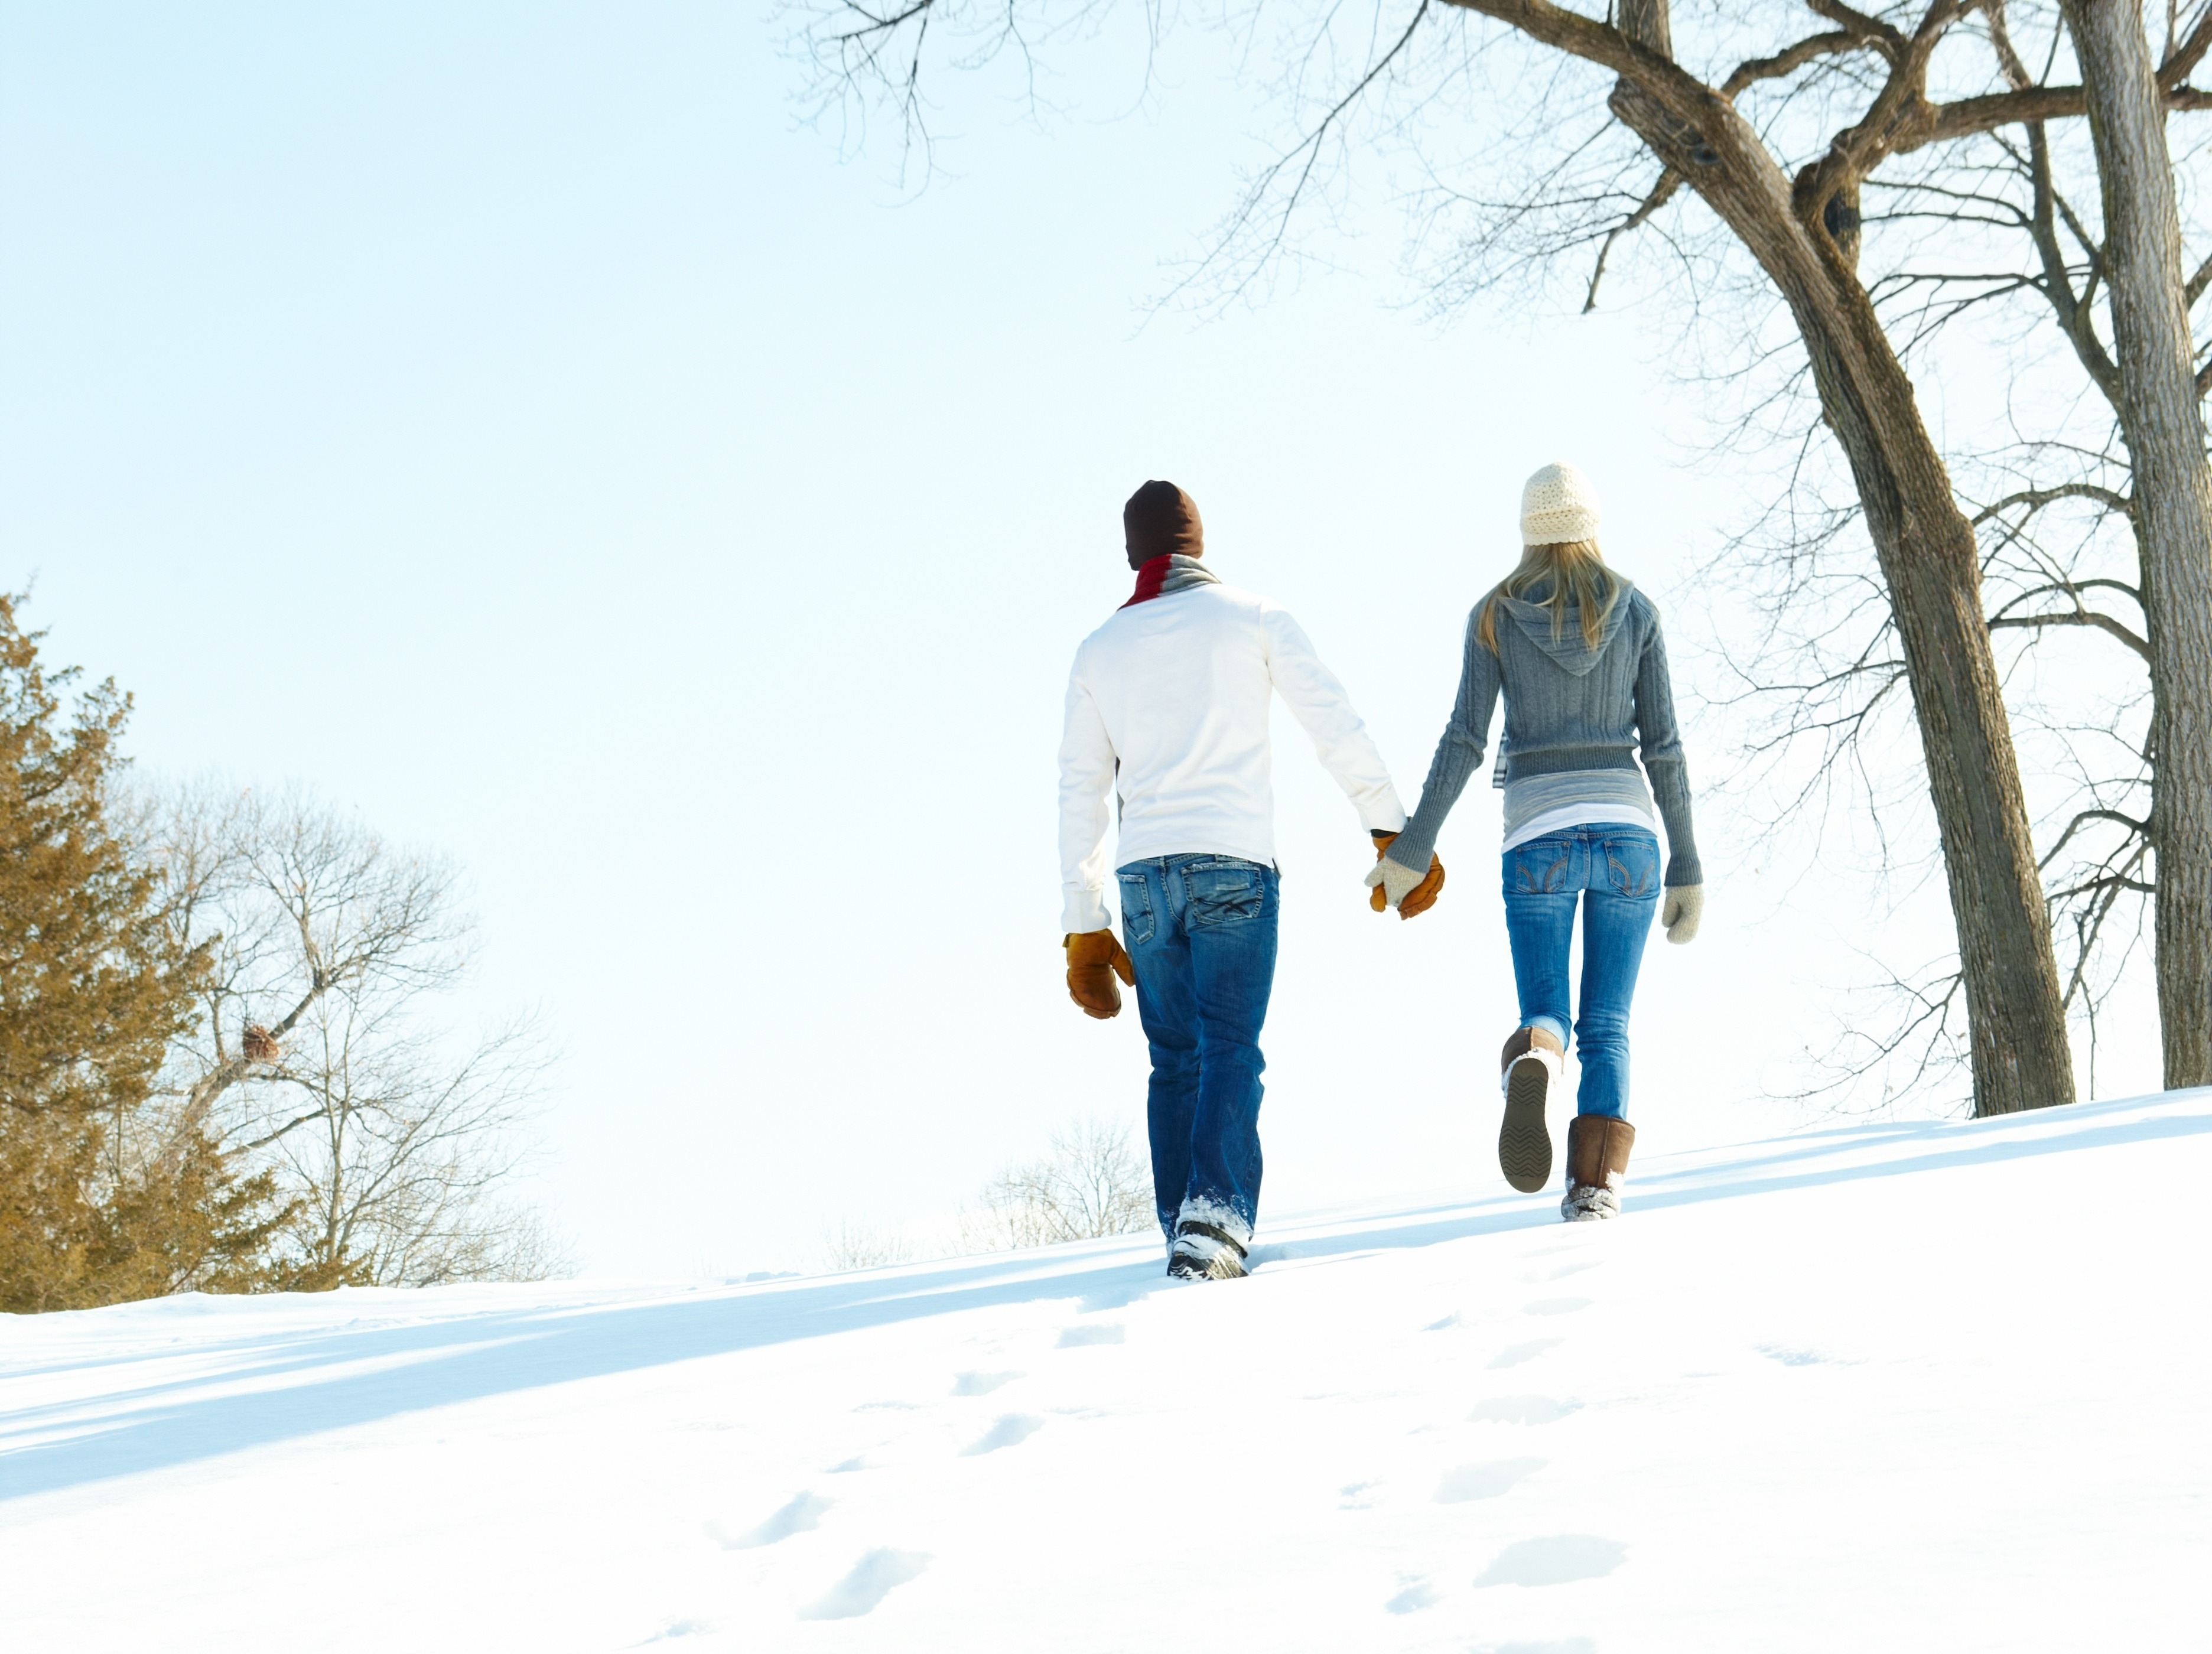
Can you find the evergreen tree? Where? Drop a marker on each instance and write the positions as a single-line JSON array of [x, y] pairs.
[[100, 1200]]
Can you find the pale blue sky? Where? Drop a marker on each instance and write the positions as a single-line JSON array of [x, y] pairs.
[[509, 421]]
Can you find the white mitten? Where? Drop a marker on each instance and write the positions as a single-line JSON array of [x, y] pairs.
[[1397, 882], [1681, 910]]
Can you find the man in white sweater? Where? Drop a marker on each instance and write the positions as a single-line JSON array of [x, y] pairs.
[[1167, 710]]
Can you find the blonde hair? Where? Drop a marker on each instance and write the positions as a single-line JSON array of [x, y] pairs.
[[1576, 572]]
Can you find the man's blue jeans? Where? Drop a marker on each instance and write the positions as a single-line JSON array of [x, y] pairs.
[[1200, 931], [1612, 869]]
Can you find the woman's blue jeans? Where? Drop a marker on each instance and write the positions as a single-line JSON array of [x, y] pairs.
[[1200, 931], [1612, 869]]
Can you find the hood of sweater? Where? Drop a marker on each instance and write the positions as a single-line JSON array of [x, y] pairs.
[[1567, 651]]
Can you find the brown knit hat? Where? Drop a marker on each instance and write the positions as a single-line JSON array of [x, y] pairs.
[[1160, 518]]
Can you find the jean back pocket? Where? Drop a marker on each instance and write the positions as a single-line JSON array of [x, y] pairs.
[[1632, 864], [1540, 866], [1223, 892]]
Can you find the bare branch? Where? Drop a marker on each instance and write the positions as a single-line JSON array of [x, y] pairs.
[[2036, 498], [1661, 193], [2198, 283], [1789, 60], [1889, 40], [1943, 122], [2183, 61], [2083, 817], [2103, 623]]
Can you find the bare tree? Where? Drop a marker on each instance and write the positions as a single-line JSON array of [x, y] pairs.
[[401, 1152], [1091, 1185], [2083, 503], [306, 903], [1820, 705], [2159, 393], [321, 1056], [853, 1245]]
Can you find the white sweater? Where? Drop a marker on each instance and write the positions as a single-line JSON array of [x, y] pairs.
[[1168, 707]]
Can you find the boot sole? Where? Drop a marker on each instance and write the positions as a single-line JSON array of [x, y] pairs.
[[1221, 1267], [1524, 1142]]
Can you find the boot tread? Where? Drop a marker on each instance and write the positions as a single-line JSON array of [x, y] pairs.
[[1524, 1140]]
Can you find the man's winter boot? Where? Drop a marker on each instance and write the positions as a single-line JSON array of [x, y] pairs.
[[1597, 1165], [1531, 1065], [1203, 1252]]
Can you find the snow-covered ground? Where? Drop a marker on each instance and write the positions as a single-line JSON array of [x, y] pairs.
[[1898, 1386]]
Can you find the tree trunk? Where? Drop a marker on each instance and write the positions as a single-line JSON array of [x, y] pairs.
[[2015, 1012], [2162, 417]]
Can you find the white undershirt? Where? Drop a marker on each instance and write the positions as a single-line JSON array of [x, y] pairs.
[[1579, 815]]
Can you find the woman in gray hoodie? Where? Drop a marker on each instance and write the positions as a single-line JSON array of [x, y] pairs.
[[1577, 652]]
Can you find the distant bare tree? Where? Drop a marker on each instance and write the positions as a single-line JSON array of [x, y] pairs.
[[868, 1246], [402, 1150], [1091, 1185], [319, 1056]]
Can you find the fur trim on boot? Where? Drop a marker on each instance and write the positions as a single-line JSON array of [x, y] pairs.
[[1597, 1166], [1530, 1065]]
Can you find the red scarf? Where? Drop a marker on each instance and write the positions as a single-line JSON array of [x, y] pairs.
[[1169, 573]]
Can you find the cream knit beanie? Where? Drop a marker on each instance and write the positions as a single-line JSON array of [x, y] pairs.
[[1557, 503]]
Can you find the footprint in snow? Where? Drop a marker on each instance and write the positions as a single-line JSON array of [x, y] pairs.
[[1011, 1431], [1530, 1277], [1114, 1297], [1474, 1482], [982, 1384], [677, 1628], [1514, 1354], [1558, 1559], [873, 1578], [1521, 1410], [1555, 1305], [1446, 1324], [858, 1462], [805, 1511], [1412, 1600], [1359, 1495], [1790, 1357], [1076, 1337]]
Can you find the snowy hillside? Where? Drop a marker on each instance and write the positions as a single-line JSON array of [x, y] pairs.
[[1893, 1387]]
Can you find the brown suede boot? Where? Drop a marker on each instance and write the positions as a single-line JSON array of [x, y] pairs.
[[1597, 1166], [1528, 1068]]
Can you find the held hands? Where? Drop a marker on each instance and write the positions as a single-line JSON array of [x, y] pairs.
[[1394, 886], [1094, 959], [1680, 909]]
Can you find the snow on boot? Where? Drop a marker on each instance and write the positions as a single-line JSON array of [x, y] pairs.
[[1204, 1252], [1597, 1165], [1531, 1064]]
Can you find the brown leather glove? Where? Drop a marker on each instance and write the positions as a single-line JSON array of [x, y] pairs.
[[1094, 959], [1421, 898]]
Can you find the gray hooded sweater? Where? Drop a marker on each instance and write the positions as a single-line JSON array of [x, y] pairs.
[[1567, 707]]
